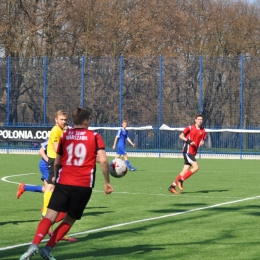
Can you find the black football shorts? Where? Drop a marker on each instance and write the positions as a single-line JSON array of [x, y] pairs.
[[70, 199]]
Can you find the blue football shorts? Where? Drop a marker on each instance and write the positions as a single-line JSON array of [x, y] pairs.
[[43, 166], [121, 150]]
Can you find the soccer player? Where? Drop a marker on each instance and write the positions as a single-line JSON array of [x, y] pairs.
[[43, 166], [75, 166], [120, 142], [55, 135], [193, 137]]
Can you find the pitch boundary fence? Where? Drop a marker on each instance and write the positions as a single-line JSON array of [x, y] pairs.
[[150, 141]]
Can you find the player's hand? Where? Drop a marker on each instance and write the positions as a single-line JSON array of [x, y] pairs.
[[53, 179], [133, 145], [108, 188], [190, 142], [113, 147]]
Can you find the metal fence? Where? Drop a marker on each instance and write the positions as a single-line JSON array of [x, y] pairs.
[[148, 142], [146, 91]]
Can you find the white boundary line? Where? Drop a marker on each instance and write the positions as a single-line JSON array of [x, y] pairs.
[[141, 220], [127, 223], [5, 178]]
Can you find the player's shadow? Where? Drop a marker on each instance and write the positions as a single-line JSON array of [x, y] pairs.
[[203, 191], [88, 211], [254, 208], [18, 222], [96, 213], [115, 252]]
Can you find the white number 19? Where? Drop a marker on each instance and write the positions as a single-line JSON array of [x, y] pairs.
[[79, 152]]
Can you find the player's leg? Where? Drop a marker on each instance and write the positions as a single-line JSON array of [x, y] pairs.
[[121, 151], [179, 177], [58, 203], [34, 188], [78, 199], [44, 187], [61, 231], [24, 187], [40, 233], [177, 181], [195, 168], [46, 197], [59, 218], [58, 234], [43, 167], [50, 187], [118, 156], [44, 178], [186, 174], [130, 167]]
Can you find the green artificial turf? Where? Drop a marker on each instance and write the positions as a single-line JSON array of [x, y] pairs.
[[216, 217]]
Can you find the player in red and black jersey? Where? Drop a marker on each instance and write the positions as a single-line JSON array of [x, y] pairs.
[[74, 175], [193, 137]]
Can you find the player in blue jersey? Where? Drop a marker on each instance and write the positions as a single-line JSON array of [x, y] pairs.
[[120, 143], [43, 166]]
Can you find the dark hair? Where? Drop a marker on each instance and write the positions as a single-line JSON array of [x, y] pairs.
[[80, 114], [199, 115]]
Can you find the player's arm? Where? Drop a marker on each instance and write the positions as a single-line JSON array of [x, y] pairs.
[[203, 140], [104, 167], [55, 146], [43, 154], [129, 141], [115, 142], [56, 167], [55, 138], [185, 139]]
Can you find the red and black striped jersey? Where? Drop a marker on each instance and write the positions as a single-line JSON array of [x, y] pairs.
[[78, 150], [195, 134]]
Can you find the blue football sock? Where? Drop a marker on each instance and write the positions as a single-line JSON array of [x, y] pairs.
[[33, 188], [128, 164]]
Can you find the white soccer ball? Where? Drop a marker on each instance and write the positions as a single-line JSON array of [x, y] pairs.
[[117, 168]]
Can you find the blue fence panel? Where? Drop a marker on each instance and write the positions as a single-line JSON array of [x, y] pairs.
[[145, 91]]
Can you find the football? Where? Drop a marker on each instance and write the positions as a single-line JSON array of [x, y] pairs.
[[117, 168]]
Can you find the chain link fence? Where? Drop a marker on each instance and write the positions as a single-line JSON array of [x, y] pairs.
[[146, 91]]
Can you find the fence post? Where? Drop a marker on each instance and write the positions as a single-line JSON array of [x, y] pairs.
[[82, 80], [121, 89], [160, 104], [201, 98], [44, 88], [201, 71], [241, 101], [8, 90]]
